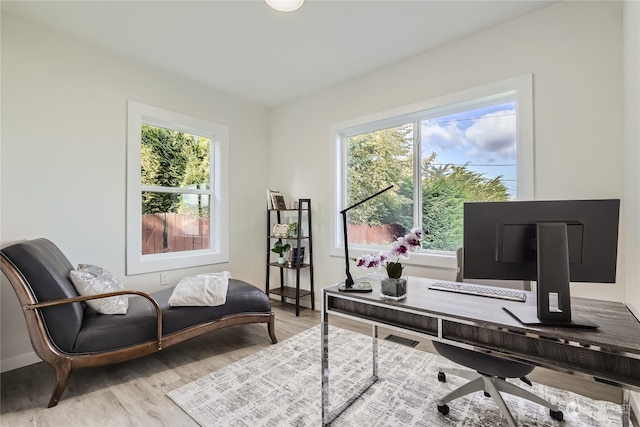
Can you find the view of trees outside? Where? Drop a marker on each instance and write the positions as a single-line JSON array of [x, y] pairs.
[[174, 166], [469, 156]]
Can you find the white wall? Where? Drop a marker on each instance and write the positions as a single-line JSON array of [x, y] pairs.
[[632, 143], [631, 31], [64, 112], [573, 49]]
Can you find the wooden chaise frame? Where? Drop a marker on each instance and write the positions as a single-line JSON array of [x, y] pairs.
[[63, 363]]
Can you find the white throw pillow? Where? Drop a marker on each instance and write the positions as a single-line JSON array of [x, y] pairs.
[[209, 289], [93, 280]]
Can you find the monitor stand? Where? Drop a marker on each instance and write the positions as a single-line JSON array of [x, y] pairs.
[[553, 306], [528, 316]]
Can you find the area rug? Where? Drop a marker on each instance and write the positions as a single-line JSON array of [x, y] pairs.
[[280, 386]]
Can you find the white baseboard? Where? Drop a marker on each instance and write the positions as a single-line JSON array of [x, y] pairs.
[[20, 361]]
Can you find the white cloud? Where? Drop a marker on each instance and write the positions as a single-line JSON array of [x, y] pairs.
[[493, 136], [439, 138]]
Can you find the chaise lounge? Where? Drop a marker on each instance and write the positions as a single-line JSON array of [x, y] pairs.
[[66, 334]]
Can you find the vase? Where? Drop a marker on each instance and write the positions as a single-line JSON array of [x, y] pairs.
[[393, 289]]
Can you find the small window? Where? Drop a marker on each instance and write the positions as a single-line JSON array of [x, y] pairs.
[[177, 210], [471, 146]]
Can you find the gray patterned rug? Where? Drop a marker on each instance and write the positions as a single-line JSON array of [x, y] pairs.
[[280, 386]]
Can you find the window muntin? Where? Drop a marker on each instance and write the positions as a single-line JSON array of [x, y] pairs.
[[462, 130], [177, 200]]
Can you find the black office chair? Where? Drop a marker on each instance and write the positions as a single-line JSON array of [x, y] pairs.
[[489, 372]]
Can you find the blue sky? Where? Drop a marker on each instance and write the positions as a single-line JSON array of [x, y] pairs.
[[485, 138]]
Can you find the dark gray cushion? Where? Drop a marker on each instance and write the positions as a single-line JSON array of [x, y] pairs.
[[46, 270], [102, 332], [108, 331], [241, 298]]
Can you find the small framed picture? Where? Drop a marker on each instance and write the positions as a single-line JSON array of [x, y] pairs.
[[278, 201], [271, 198], [279, 230]]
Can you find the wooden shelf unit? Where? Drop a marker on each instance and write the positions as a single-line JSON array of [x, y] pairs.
[[303, 238]]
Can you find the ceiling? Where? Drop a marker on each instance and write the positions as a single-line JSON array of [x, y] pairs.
[[245, 48]]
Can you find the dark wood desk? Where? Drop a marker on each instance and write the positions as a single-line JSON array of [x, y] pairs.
[[610, 353]]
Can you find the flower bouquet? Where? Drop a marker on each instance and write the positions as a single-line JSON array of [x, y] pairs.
[[394, 286]]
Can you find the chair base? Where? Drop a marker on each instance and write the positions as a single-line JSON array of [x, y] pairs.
[[492, 386]]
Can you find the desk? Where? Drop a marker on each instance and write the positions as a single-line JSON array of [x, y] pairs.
[[610, 353]]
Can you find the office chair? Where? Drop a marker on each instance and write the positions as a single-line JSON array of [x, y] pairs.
[[489, 372]]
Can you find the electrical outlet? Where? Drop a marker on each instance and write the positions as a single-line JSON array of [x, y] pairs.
[[164, 279]]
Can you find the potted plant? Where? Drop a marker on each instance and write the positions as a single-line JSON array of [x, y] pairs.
[[394, 286], [280, 249], [292, 229]]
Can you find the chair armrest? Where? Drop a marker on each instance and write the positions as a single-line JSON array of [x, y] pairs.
[[106, 295]]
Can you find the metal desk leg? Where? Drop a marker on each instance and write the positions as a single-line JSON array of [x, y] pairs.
[[324, 332], [374, 351], [626, 408], [327, 415]]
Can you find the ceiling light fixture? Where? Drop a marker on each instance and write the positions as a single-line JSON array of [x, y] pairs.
[[284, 5]]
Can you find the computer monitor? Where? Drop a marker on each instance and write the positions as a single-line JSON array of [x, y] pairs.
[[552, 242]]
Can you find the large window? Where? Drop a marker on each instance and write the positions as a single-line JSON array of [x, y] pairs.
[[471, 146], [176, 181]]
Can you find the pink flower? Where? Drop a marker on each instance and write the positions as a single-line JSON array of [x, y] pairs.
[[413, 239], [401, 248], [371, 261]]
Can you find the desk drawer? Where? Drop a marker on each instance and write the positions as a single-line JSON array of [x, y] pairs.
[[388, 316], [550, 352]]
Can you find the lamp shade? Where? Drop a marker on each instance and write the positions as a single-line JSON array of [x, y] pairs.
[[284, 5]]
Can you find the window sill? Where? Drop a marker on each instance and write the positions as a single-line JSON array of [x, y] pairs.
[[439, 260]]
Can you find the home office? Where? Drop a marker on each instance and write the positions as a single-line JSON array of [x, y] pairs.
[[496, 333], [64, 135]]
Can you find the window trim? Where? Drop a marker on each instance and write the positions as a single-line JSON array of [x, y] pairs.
[[523, 87], [137, 263]]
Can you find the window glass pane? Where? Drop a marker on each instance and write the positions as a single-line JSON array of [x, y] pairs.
[[174, 222], [467, 156], [170, 158], [376, 160]]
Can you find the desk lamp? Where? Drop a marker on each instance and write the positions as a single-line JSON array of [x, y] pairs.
[[348, 285]]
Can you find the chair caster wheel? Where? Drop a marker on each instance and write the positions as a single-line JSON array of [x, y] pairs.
[[443, 409], [556, 415], [442, 377]]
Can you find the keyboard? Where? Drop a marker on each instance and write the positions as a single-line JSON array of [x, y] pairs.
[[480, 290]]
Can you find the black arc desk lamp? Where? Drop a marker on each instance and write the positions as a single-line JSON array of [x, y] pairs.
[[348, 285]]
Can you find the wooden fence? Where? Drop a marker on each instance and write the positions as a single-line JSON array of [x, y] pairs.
[[378, 234], [171, 232]]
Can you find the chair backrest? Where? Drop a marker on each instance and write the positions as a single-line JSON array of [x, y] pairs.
[[515, 284], [39, 272]]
